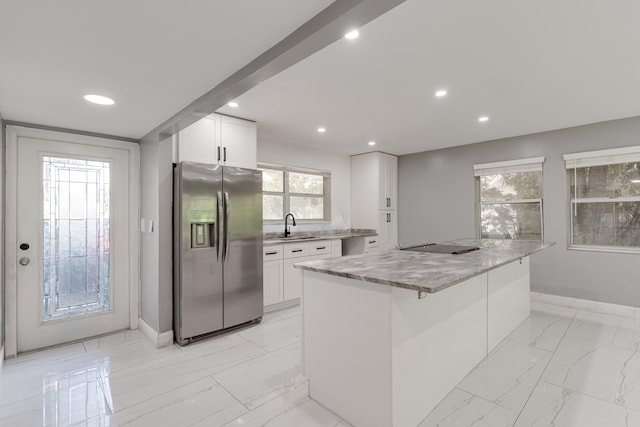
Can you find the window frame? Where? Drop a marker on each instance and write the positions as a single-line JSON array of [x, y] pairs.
[[286, 194], [534, 164], [575, 161]]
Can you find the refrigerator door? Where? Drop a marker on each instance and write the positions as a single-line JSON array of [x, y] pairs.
[[198, 266], [243, 246]]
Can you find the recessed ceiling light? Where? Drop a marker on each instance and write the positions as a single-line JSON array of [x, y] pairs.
[[233, 104], [322, 130], [441, 93], [99, 99], [483, 119], [352, 35], [372, 143]]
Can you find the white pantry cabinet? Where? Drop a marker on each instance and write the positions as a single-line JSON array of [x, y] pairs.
[[374, 195], [218, 139]]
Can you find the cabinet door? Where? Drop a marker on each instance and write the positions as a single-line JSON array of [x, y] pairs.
[[238, 141], [273, 282], [199, 142], [388, 229], [292, 279], [392, 181], [387, 181]]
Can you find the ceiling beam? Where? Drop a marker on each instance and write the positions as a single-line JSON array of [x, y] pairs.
[[320, 31]]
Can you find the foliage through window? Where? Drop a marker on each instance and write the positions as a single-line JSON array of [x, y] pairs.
[[510, 199], [304, 193], [604, 192]]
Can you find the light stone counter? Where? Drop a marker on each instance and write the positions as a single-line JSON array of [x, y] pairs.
[[427, 272], [277, 239]]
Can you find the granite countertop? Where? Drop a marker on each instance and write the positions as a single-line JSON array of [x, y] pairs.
[[426, 272], [276, 238]]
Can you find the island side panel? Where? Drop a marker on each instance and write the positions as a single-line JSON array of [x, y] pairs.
[[508, 299], [346, 341], [436, 341]]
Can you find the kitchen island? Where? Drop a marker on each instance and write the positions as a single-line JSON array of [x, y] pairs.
[[387, 335]]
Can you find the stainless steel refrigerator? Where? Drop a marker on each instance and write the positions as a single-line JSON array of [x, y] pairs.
[[217, 249]]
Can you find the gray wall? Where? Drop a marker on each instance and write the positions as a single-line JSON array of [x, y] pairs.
[[156, 292], [2, 183], [437, 203]]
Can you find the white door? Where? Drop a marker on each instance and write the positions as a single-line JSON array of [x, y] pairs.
[[72, 236]]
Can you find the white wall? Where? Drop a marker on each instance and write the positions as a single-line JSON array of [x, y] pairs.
[[338, 164]]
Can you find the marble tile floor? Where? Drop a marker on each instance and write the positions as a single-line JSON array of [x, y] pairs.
[[250, 377], [562, 367]]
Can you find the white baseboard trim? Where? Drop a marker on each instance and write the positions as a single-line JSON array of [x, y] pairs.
[[587, 305], [281, 305], [1, 358], [164, 339]]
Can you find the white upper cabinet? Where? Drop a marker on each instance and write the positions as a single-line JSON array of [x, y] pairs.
[[218, 139], [200, 141], [238, 141]]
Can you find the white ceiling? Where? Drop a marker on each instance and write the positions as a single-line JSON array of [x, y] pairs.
[[530, 66], [153, 57]]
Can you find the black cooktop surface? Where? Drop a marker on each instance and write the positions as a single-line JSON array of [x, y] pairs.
[[443, 249]]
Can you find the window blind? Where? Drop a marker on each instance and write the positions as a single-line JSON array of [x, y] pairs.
[[510, 166], [602, 157]]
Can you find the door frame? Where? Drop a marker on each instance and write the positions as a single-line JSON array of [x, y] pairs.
[[11, 197]]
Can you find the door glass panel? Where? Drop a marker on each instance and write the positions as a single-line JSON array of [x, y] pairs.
[[76, 237]]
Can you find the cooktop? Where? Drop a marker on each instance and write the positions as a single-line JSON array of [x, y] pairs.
[[442, 249]]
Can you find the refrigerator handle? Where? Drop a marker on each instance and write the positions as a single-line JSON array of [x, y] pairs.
[[227, 229], [220, 218]]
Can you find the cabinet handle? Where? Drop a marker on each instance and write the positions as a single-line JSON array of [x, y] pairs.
[[218, 153], [224, 150], [297, 250], [371, 241], [388, 202], [388, 217], [271, 253], [321, 248]]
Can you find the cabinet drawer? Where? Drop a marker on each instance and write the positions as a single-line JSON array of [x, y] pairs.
[[371, 242], [320, 247], [271, 253], [295, 250]]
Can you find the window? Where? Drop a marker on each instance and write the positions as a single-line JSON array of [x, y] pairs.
[[604, 198], [510, 199], [303, 192]]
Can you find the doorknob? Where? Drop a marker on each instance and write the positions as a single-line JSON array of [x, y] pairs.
[[24, 246], [24, 261]]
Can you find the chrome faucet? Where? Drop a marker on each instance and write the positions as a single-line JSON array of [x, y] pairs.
[[293, 222]]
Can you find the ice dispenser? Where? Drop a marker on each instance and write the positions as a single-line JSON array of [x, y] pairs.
[[203, 229]]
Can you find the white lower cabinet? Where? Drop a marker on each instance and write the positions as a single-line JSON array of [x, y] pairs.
[[282, 281], [272, 275], [273, 280], [360, 245]]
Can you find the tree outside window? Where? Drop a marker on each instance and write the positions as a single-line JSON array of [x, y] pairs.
[[510, 199]]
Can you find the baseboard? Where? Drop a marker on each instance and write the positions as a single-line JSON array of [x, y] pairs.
[[164, 339], [281, 305], [1, 358], [587, 305]]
